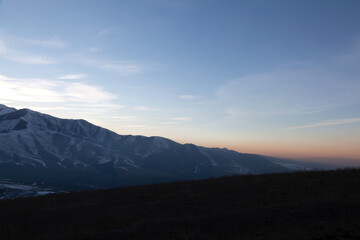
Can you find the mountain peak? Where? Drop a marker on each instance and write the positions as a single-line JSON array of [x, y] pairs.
[[4, 109]]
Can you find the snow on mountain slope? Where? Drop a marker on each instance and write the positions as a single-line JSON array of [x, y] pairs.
[[78, 152], [34, 138], [4, 109]]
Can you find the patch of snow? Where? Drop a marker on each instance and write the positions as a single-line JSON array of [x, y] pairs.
[[78, 147], [39, 161], [161, 143], [124, 168], [130, 162], [5, 110], [11, 190], [212, 160], [293, 166], [80, 163], [41, 193], [16, 186], [148, 153], [116, 162], [8, 125], [130, 139], [103, 161], [60, 164], [238, 169], [197, 168]]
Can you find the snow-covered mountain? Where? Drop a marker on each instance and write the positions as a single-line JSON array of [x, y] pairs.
[[36, 147]]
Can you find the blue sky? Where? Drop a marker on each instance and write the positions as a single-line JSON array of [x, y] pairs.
[[271, 77]]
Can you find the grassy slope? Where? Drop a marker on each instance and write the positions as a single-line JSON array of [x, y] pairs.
[[312, 205]]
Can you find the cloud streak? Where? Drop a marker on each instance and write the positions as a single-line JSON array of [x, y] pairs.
[[124, 118], [2, 47], [17, 56], [187, 97], [28, 59], [77, 99], [106, 31], [52, 43], [79, 92], [144, 108], [72, 76], [93, 50], [181, 119], [327, 123], [121, 67], [288, 92], [29, 90]]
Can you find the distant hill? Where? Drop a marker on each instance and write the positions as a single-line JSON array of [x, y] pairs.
[[37, 148], [302, 205]]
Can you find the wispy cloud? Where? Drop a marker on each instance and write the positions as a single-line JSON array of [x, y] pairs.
[[17, 56], [351, 55], [93, 49], [51, 43], [138, 126], [287, 92], [29, 90], [80, 92], [144, 108], [120, 67], [55, 94], [72, 76], [233, 112], [98, 105], [175, 120], [28, 59], [327, 123], [106, 31], [43, 90], [169, 122], [182, 119], [174, 4], [187, 97], [124, 118], [2, 47]]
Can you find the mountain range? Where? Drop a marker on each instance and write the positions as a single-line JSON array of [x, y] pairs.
[[75, 154]]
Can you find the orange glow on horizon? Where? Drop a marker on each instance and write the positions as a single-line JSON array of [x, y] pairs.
[[291, 150]]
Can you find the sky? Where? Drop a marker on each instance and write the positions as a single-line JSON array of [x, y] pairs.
[[280, 78]]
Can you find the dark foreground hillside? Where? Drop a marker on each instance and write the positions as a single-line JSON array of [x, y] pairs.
[[307, 205]]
